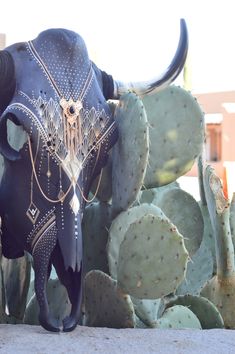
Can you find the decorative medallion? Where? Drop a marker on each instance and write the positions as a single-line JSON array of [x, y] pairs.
[[71, 109]]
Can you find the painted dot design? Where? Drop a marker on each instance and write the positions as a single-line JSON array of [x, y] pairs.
[[70, 71], [41, 256]]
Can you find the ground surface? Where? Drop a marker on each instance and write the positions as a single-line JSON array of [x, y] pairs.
[[83, 340]]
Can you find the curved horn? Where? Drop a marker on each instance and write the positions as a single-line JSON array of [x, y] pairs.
[[159, 83], [7, 79]]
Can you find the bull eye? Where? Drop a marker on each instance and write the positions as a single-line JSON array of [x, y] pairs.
[[71, 110]]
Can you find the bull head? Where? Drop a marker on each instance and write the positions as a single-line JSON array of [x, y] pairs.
[[50, 87]]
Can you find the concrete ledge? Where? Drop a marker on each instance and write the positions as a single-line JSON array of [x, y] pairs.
[[84, 340]]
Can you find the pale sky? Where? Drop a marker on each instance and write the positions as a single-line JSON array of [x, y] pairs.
[[136, 39]]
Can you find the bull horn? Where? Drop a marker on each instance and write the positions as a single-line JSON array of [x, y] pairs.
[[7, 79], [164, 80]]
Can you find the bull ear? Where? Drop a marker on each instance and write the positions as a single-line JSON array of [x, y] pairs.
[[7, 79], [5, 148], [105, 81]]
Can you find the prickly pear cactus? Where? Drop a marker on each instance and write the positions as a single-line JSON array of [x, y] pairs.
[[152, 258], [95, 226], [153, 194], [189, 220], [106, 305], [232, 218], [221, 288], [176, 134], [208, 239], [147, 310], [206, 311], [179, 317], [148, 239], [199, 271], [119, 227], [130, 154], [16, 275]]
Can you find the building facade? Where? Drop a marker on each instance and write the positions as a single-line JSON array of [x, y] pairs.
[[219, 108]]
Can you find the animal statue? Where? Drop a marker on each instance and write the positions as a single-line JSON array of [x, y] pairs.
[[51, 88]]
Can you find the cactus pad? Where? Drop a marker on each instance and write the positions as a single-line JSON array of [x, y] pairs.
[[147, 310], [176, 134], [95, 225], [178, 317], [153, 194], [152, 258], [183, 211], [232, 218], [222, 293], [199, 271], [208, 239], [130, 154], [105, 304], [205, 310], [119, 227], [221, 288]]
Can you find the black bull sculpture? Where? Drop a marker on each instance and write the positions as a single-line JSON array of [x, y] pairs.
[[50, 87]]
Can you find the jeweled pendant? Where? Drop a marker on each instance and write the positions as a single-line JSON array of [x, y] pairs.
[[32, 213]]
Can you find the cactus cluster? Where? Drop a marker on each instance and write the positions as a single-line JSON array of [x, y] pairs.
[[153, 255]]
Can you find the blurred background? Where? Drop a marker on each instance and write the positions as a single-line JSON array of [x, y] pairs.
[[136, 40]]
